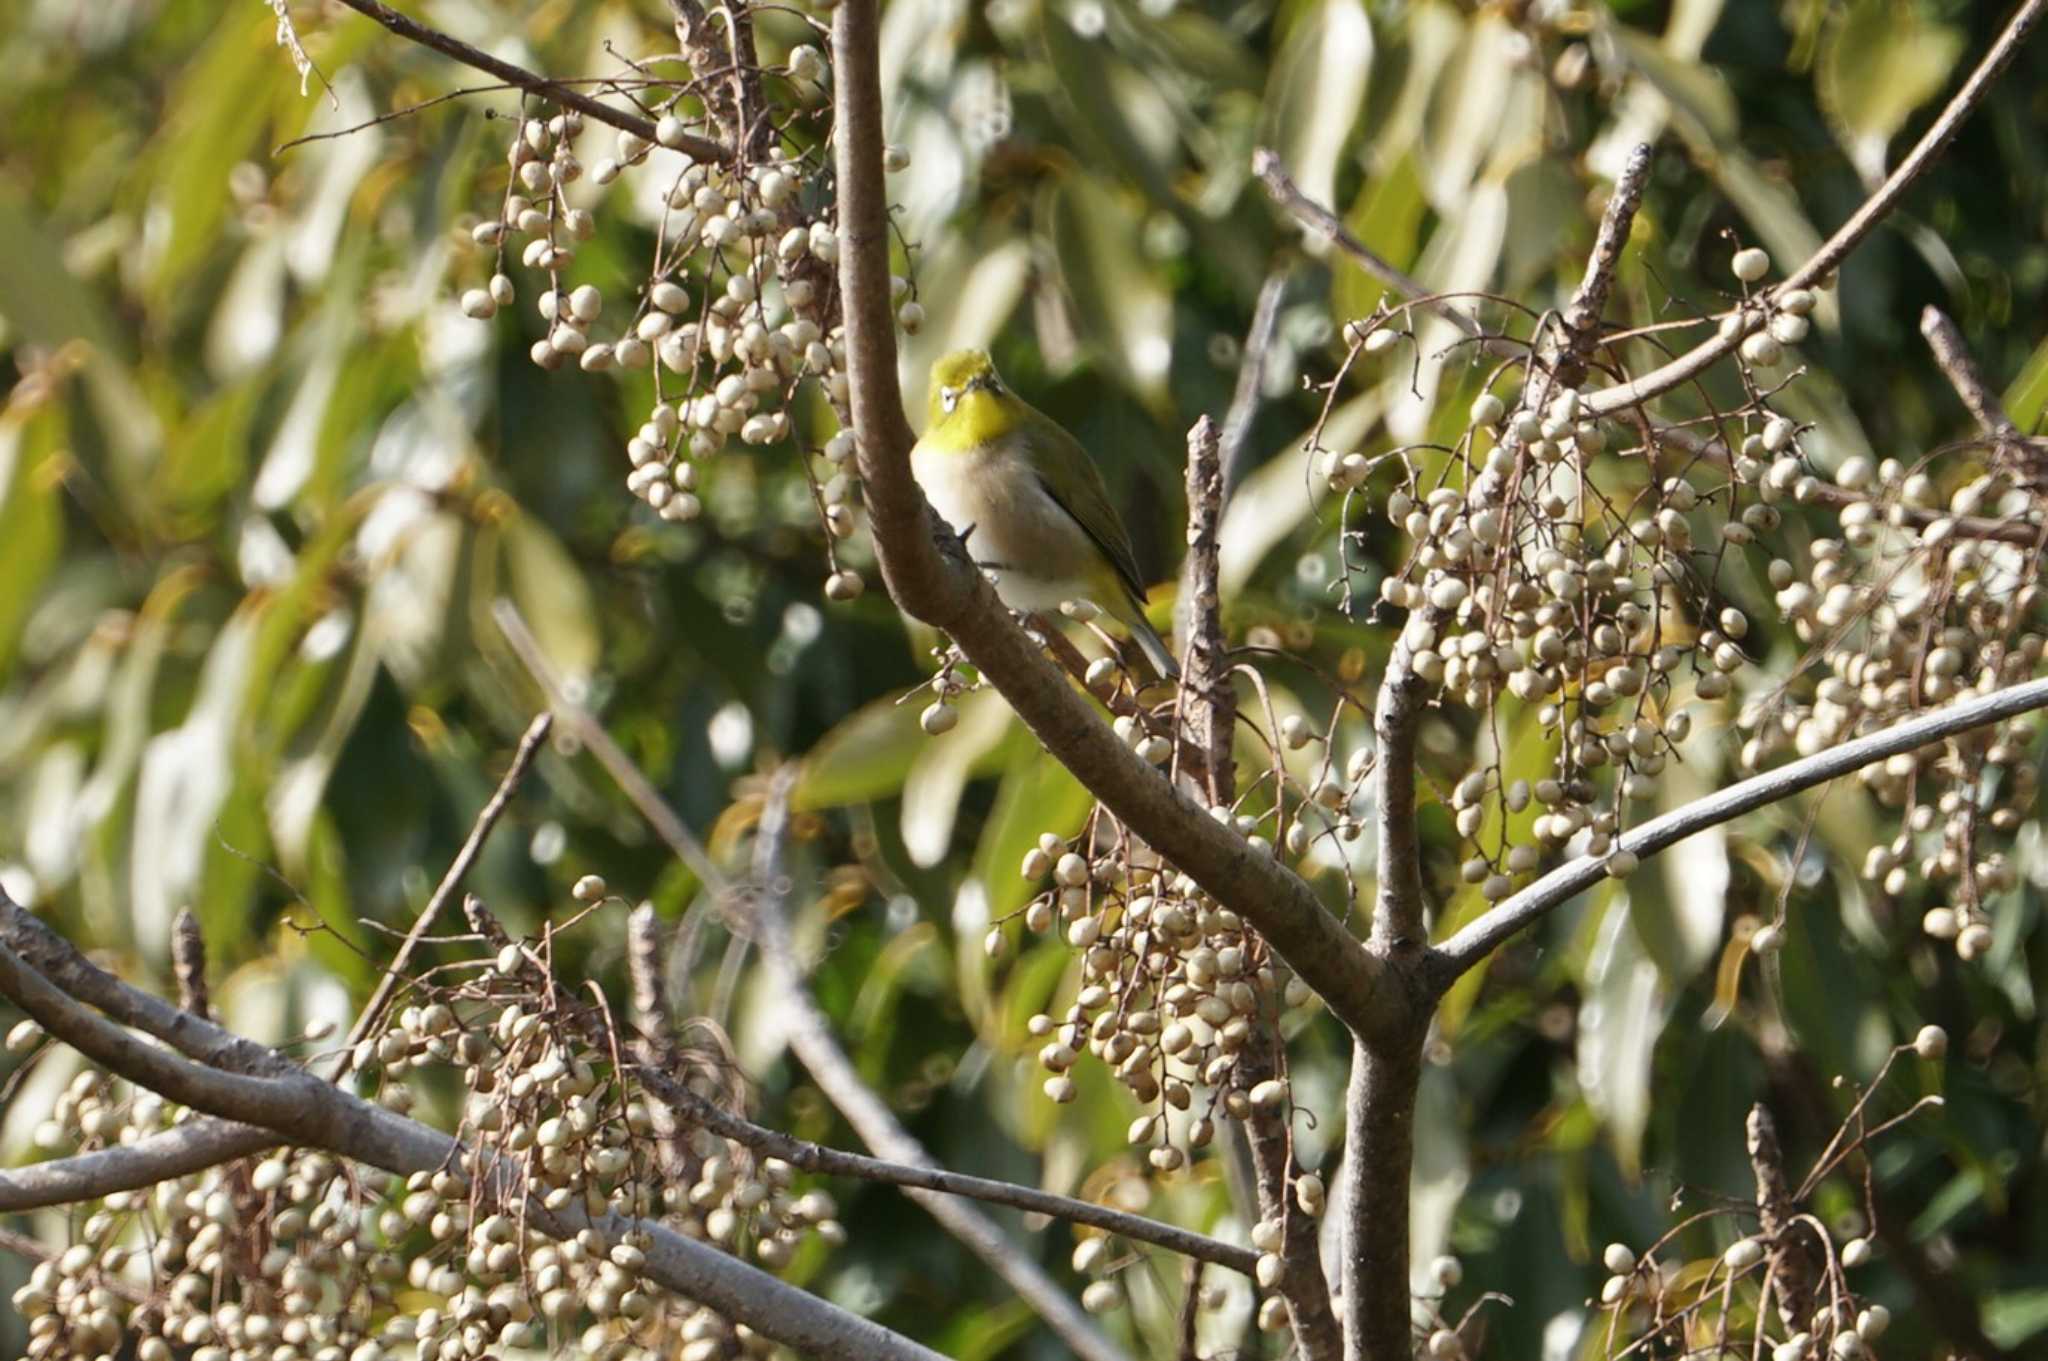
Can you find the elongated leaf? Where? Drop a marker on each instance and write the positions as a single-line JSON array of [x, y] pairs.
[[1619, 1021], [1119, 304], [940, 771], [1316, 91], [31, 526], [1879, 61]]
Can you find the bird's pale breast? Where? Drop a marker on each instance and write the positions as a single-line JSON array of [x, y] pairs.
[[1043, 556]]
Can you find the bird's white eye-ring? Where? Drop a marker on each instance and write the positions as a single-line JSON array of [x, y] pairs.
[[949, 398]]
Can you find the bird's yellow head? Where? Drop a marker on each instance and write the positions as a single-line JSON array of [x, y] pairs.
[[969, 404]]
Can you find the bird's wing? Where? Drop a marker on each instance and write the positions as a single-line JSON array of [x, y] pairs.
[[1088, 502]]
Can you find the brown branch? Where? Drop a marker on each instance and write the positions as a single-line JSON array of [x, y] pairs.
[[191, 1146], [1952, 356], [372, 1013], [1795, 1274], [551, 90], [1379, 1158], [1267, 165], [943, 589], [1207, 697], [1584, 313], [1847, 237], [1397, 919], [188, 961], [1251, 382]]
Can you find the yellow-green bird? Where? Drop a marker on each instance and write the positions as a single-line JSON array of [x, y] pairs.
[[1028, 500]]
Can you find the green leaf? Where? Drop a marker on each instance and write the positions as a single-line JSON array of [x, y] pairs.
[[1619, 1021], [940, 771], [1387, 217], [2012, 1318], [1120, 307], [2028, 395], [31, 524], [1317, 89], [865, 758], [1037, 795], [553, 597], [1879, 61]]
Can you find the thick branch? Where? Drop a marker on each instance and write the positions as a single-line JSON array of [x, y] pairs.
[[179, 1151], [552, 90], [1479, 939], [947, 593], [59, 985], [1397, 913], [1847, 237], [810, 1036], [1379, 1157]]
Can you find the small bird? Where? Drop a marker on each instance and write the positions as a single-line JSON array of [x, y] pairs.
[[1027, 500]]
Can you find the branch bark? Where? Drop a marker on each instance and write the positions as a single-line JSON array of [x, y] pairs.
[[179, 1151], [1478, 939], [943, 589], [1379, 1157]]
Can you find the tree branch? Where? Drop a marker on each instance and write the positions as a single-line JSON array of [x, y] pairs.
[[191, 1146], [1952, 356], [1478, 939], [1251, 382], [810, 1036], [41, 973], [945, 591], [1397, 919], [1583, 314], [1379, 1158], [1847, 237], [1272, 172], [554, 91]]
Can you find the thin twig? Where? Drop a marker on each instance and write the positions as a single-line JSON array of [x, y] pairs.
[[592, 734], [1952, 356], [553, 90], [487, 818], [1267, 165], [1479, 938]]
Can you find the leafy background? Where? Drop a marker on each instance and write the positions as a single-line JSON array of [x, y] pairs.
[[260, 483]]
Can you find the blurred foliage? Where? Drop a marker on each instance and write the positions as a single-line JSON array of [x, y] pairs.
[[260, 483]]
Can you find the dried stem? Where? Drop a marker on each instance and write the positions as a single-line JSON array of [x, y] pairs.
[[1795, 1274], [1585, 313], [1952, 355]]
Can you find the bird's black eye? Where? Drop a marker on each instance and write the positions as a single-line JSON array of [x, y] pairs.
[[949, 398]]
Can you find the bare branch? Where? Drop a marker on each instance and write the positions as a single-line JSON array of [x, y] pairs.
[[1397, 913], [553, 91], [1582, 316], [1795, 1275], [1952, 355], [810, 1036], [1267, 165], [179, 1151], [188, 961], [1847, 237], [1479, 938], [1207, 698], [946, 592], [1379, 1158], [41, 973], [487, 818]]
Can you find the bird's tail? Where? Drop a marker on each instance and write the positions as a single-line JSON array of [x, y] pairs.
[[1149, 642]]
